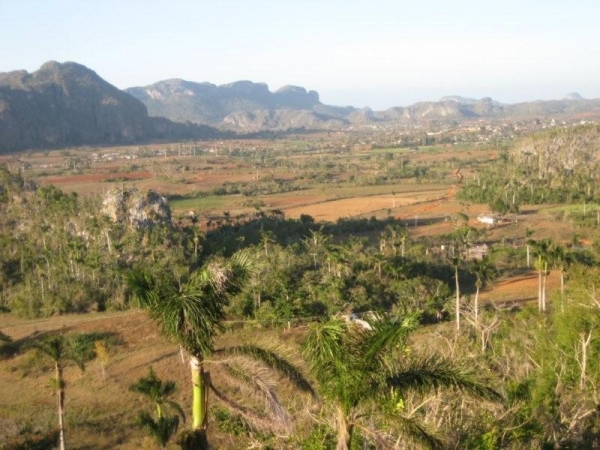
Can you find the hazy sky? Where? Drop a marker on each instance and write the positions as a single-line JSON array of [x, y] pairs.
[[377, 53]]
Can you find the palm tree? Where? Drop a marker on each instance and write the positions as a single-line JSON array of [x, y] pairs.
[[483, 271], [528, 234], [316, 245], [462, 237], [191, 313], [456, 264], [162, 426], [363, 374], [543, 250], [61, 349], [403, 237], [561, 259], [397, 236]]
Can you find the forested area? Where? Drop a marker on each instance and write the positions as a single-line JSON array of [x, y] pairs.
[[433, 367], [553, 167], [63, 255]]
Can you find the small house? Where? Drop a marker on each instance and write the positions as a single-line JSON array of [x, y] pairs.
[[488, 219]]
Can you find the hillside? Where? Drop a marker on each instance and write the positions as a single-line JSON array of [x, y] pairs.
[[242, 105], [560, 154], [70, 105], [245, 106]]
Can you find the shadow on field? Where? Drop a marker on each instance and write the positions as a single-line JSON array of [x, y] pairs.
[[156, 360], [412, 223], [14, 348], [234, 234]]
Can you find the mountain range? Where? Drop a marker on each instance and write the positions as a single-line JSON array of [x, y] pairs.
[[245, 106], [70, 105], [67, 104]]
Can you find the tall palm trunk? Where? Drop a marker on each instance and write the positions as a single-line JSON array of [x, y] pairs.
[[476, 306], [544, 287], [562, 289], [345, 430], [457, 298], [540, 308], [199, 398], [61, 403]]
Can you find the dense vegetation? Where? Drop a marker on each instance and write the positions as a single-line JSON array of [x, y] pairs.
[[558, 166], [378, 353], [61, 255]]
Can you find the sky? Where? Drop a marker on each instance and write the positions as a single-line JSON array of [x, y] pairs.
[[378, 54]]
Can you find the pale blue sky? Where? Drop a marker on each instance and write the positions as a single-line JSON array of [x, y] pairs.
[[378, 53]]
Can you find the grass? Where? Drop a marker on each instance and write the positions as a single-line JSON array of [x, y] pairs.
[[575, 208], [101, 413], [311, 196], [201, 204]]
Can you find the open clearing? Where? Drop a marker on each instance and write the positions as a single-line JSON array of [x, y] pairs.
[[106, 421]]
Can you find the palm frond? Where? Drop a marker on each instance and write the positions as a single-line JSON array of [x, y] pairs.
[[157, 390], [248, 415], [412, 431], [325, 342], [153, 387], [257, 380], [75, 348], [274, 361], [433, 373], [241, 266], [175, 406], [161, 429], [50, 346], [142, 286], [195, 314], [386, 333], [191, 312], [227, 277]]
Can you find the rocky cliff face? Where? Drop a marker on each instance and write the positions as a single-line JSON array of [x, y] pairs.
[[245, 106], [206, 103], [66, 104], [560, 152], [296, 97], [70, 105], [138, 210]]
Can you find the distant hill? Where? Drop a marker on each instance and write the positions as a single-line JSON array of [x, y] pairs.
[[573, 96], [242, 105], [568, 153], [245, 106], [459, 108], [552, 108], [69, 105], [248, 106]]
